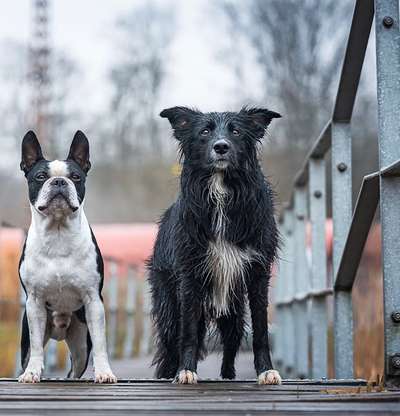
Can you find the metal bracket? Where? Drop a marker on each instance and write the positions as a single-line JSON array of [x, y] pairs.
[[394, 365]]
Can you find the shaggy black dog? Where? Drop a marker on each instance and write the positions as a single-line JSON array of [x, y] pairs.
[[215, 244]]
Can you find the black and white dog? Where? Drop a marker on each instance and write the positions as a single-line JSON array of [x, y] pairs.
[[61, 268], [215, 244]]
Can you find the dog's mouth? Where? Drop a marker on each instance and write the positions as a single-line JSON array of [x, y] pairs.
[[221, 163], [58, 202]]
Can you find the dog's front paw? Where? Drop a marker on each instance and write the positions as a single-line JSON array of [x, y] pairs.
[[186, 377], [269, 377], [30, 375], [228, 373], [104, 376]]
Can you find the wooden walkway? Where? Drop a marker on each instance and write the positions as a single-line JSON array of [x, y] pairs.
[[150, 397]]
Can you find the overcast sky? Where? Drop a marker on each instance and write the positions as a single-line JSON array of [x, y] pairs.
[[85, 30]]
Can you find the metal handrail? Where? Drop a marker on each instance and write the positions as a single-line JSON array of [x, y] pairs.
[[302, 285], [136, 301]]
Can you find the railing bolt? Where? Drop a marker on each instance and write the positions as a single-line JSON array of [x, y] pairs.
[[396, 317], [396, 361], [317, 194], [342, 167], [300, 217], [388, 21]]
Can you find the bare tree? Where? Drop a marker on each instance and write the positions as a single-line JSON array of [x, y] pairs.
[[14, 98], [65, 117], [299, 47], [16, 107], [144, 36]]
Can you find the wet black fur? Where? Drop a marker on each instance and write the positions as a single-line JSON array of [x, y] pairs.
[[179, 285]]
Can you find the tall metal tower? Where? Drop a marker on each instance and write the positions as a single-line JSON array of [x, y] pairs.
[[39, 70]]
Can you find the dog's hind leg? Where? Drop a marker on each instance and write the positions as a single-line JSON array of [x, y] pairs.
[[231, 327], [257, 289], [79, 344], [25, 343], [166, 320]]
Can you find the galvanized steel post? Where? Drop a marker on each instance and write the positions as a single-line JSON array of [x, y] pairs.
[[112, 328], [290, 357], [50, 359], [147, 333], [319, 315], [130, 312], [279, 344], [277, 348], [300, 280], [388, 75], [342, 214]]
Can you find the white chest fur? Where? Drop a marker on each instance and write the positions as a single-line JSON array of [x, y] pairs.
[[226, 263], [59, 266]]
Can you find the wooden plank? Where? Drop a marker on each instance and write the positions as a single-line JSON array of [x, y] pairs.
[[219, 398], [242, 382]]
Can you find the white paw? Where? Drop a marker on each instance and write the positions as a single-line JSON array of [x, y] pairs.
[[269, 377], [104, 377], [30, 375], [186, 377]]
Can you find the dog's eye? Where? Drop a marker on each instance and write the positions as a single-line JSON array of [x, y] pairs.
[[41, 176], [75, 177], [235, 132], [205, 132]]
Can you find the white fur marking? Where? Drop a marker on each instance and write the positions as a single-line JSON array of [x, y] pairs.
[[218, 194], [58, 168], [226, 264], [187, 377], [269, 377]]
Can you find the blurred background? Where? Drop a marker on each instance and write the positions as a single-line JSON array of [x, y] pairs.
[[109, 68]]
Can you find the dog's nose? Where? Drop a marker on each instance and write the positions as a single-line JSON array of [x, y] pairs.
[[59, 182], [221, 147]]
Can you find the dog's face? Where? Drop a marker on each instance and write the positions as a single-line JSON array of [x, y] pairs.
[[219, 141], [56, 188]]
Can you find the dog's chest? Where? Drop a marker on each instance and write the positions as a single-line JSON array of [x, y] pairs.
[[227, 266], [60, 274], [226, 263]]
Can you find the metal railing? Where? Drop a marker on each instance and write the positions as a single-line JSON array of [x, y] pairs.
[[127, 305], [127, 297], [302, 289]]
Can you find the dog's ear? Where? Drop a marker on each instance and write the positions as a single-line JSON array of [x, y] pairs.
[[79, 151], [179, 117], [261, 117], [31, 152]]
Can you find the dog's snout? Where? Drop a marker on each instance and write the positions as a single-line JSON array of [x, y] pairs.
[[59, 182], [221, 147]]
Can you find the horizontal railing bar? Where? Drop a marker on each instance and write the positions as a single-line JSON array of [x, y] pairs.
[[391, 170], [111, 259], [320, 147], [363, 216], [305, 296], [353, 60]]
